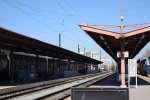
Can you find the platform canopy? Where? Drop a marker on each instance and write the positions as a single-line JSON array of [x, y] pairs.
[[13, 41], [135, 40]]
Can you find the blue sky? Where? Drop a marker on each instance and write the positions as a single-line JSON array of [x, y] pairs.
[[45, 19]]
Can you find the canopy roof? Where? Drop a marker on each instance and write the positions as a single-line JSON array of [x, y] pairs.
[[135, 40]]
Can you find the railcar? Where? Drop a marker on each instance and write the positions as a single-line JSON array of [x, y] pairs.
[[143, 66]]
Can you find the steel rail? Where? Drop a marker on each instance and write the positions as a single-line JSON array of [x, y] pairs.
[[31, 88], [67, 92]]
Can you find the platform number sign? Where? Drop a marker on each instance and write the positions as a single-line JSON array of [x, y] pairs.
[[126, 54], [132, 70]]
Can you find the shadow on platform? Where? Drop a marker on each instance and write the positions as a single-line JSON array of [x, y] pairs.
[[110, 81], [140, 81]]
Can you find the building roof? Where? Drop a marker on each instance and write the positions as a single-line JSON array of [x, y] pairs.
[[10, 40]]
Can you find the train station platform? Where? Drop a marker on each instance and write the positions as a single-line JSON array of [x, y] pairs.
[[142, 92]]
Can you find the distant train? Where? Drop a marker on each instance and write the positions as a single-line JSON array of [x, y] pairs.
[[143, 66]]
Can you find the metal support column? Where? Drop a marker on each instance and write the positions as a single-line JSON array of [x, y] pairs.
[[77, 65], [58, 68], [122, 65], [11, 67], [7, 52], [74, 63], [37, 64], [68, 64], [47, 65], [53, 65]]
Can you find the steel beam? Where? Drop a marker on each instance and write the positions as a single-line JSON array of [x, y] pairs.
[[100, 31], [138, 31]]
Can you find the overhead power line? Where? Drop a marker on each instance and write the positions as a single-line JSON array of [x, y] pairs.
[[66, 11], [35, 10], [34, 18], [60, 4], [74, 10]]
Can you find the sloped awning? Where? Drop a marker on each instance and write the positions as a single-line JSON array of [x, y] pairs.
[[135, 40]]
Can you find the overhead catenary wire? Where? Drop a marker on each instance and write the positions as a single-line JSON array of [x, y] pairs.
[[38, 19], [42, 14], [99, 15], [74, 10], [102, 14], [106, 13], [34, 18], [61, 6], [75, 21], [40, 9], [35, 10]]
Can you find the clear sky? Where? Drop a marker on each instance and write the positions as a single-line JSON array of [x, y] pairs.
[[45, 19]]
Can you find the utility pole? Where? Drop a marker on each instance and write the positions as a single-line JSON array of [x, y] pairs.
[[78, 49], [100, 55], [59, 40], [84, 51], [62, 32]]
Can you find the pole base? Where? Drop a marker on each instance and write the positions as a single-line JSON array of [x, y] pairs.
[[123, 86]]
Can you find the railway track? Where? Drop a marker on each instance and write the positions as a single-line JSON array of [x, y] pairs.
[[62, 95], [30, 90]]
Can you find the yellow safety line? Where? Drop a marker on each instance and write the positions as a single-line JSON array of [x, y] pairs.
[[144, 78]]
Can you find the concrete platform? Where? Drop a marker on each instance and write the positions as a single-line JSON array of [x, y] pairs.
[[142, 92]]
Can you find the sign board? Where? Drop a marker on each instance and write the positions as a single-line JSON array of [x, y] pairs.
[[126, 54], [118, 54], [132, 70], [132, 65]]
